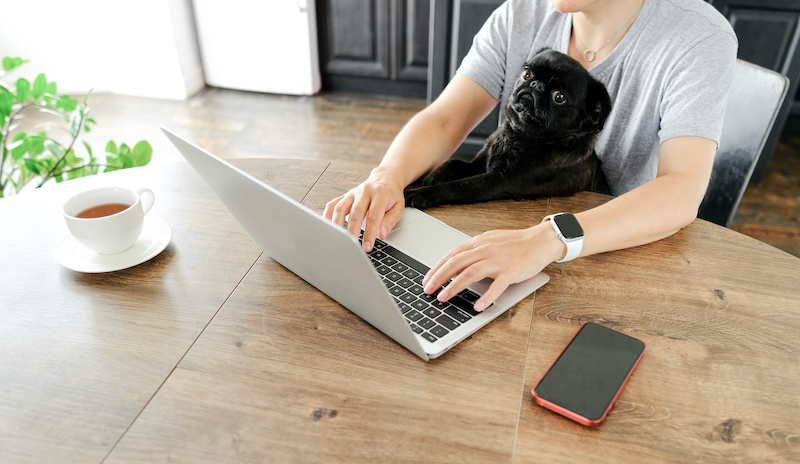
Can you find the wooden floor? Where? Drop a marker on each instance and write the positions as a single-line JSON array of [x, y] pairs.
[[236, 124]]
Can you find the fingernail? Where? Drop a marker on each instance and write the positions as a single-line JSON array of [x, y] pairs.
[[480, 306], [367, 246], [443, 295]]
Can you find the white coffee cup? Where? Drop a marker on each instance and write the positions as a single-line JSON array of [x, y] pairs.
[[116, 222]]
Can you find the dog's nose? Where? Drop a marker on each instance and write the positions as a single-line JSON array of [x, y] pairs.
[[538, 86]]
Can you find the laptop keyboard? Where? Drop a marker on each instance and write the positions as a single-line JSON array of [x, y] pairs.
[[428, 317]]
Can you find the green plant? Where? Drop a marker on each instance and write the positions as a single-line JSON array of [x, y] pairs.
[[38, 157]]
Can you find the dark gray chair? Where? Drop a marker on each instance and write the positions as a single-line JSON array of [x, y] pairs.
[[753, 104]]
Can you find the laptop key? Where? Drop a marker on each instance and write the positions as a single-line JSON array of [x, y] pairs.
[[439, 331], [469, 295], [377, 255], [431, 312], [447, 322], [426, 323], [428, 298], [396, 291], [400, 267], [428, 337], [463, 305], [420, 305], [411, 274], [458, 314]]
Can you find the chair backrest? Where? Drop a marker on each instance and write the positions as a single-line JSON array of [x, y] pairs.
[[755, 99]]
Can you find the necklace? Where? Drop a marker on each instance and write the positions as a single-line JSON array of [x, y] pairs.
[[589, 54]]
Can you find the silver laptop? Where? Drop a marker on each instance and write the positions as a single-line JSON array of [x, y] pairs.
[[379, 287]]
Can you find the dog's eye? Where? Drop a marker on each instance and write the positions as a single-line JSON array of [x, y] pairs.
[[527, 74], [559, 98]]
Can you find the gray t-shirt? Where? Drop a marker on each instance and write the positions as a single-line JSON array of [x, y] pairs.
[[668, 77]]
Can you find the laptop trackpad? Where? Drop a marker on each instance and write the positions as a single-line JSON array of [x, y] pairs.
[[424, 238]]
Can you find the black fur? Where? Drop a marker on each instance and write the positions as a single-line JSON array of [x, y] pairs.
[[543, 148]]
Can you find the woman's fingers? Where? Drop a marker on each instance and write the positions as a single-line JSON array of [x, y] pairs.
[[507, 257], [375, 205]]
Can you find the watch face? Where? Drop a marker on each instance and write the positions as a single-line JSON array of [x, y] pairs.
[[569, 226]]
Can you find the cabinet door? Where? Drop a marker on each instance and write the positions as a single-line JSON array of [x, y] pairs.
[[374, 46], [412, 24], [357, 37], [454, 24]]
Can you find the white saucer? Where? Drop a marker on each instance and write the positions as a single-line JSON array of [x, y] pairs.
[[156, 235]]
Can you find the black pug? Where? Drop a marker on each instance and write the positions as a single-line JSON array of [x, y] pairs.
[[544, 148]]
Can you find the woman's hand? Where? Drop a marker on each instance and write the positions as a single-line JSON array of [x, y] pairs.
[[507, 256], [379, 199]]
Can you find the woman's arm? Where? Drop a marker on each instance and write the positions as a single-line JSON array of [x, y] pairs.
[[648, 213], [658, 208], [428, 140]]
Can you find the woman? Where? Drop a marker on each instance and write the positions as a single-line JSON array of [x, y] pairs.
[[667, 65]]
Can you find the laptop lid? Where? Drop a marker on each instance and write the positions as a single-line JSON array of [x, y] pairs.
[[303, 242], [331, 259]]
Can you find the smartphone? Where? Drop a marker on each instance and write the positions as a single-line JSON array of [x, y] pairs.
[[586, 379]]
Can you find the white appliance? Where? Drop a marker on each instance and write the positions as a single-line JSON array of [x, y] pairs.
[[259, 45]]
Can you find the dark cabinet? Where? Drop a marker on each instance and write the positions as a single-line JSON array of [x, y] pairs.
[[768, 35], [374, 46], [453, 25]]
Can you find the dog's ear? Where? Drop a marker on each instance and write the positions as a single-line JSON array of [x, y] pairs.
[[598, 103]]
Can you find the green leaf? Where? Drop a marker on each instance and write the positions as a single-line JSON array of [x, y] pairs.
[[88, 148], [39, 86], [111, 147], [54, 147], [33, 165], [10, 63], [66, 103], [36, 143], [23, 89], [71, 159], [6, 106], [142, 153], [19, 146]]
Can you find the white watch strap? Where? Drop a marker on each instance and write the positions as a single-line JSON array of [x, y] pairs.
[[574, 247]]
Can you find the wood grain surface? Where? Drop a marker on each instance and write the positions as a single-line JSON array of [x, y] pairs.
[[213, 352], [82, 354]]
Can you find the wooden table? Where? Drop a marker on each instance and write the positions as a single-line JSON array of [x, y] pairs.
[[212, 352]]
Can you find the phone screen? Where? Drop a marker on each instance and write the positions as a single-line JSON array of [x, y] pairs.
[[584, 381]]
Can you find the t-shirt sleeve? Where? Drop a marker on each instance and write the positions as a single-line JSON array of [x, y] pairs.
[[485, 62], [696, 96]]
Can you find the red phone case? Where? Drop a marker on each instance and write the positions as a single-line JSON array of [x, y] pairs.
[[571, 414]]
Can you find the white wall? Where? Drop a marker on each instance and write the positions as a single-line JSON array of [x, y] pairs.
[[143, 47]]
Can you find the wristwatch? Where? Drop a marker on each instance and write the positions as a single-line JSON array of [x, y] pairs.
[[569, 231]]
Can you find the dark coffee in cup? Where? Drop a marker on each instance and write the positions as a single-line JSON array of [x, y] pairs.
[[102, 210]]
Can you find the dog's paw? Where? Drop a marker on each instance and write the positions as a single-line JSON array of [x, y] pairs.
[[415, 198]]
